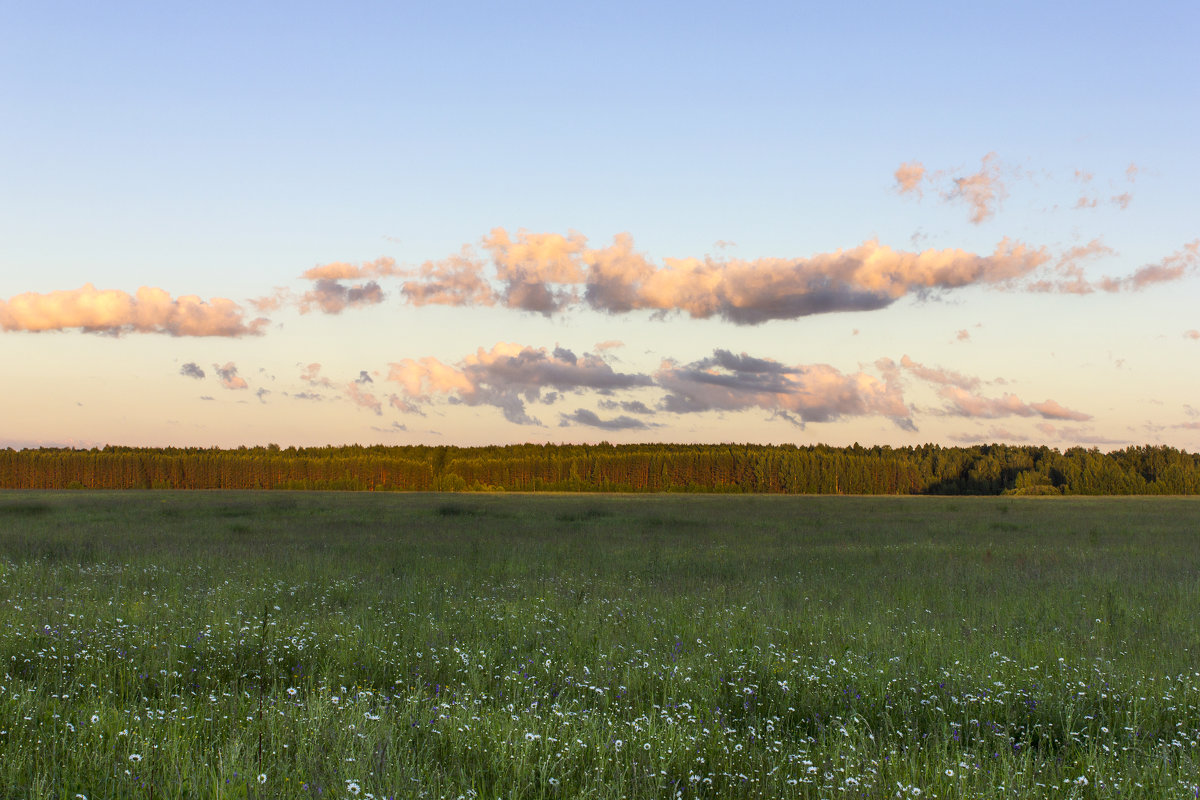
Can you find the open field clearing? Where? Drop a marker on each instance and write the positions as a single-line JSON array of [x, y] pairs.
[[554, 646]]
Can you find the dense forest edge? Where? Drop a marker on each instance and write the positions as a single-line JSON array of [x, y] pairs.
[[734, 468]]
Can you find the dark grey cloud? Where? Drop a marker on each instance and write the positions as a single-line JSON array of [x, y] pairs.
[[192, 370], [631, 406], [363, 377], [584, 417], [333, 296]]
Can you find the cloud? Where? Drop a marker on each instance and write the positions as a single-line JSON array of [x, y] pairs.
[[909, 176], [307, 396], [963, 335], [981, 191], [529, 264], [333, 297], [363, 399], [312, 376], [964, 403], [809, 393], [1176, 266], [261, 394], [191, 370], [632, 406], [1122, 200], [1049, 409], [509, 376], [584, 417], [363, 377], [1131, 172], [941, 377], [993, 434], [111, 311], [329, 293], [1087, 202], [547, 273], [337, 270], [229, 377], [395, 427], [611, 344], [1173, 267], [455, 281], [1192, 334]]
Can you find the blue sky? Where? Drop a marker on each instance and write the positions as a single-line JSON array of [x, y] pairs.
[[223, 151]]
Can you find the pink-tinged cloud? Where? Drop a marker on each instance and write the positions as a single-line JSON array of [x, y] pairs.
[[228, 375], [312, 376], [909, 176], [1122, 200], [611, 344], [940, 377], [403, 406], [1176, 266], [981, 191], [963, 335], [529, 263], [454, 281], [363, 399], [964, 403], [801, 393], [1131, 172], [1070, 278], [111, 311], [1052, 410], [1192, 334], [508, 376], [1087, 202], [379, 268], [545, 273]]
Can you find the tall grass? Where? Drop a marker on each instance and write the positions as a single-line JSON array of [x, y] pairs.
[[250, 645]]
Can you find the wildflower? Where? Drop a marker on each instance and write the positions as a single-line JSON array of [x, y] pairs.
[[95, 718], [949, 773], [291, 691], [353, 788], [553, 782], [135, 757], [262, 777], [1081, 780]]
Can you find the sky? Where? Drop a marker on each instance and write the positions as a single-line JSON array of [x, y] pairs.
[[230, 224]]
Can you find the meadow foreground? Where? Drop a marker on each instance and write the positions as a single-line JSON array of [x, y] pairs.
[[281, 645]]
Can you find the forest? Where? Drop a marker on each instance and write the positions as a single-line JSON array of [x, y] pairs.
[[734, 468]]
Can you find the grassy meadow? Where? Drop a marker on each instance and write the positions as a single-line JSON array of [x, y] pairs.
[[312, 645]]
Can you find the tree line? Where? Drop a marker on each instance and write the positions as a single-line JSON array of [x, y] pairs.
[[784, 469]]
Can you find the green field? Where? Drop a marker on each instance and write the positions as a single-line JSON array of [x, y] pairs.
[[505, 646]]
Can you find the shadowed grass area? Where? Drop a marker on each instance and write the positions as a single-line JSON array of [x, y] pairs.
[[560, 646]]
